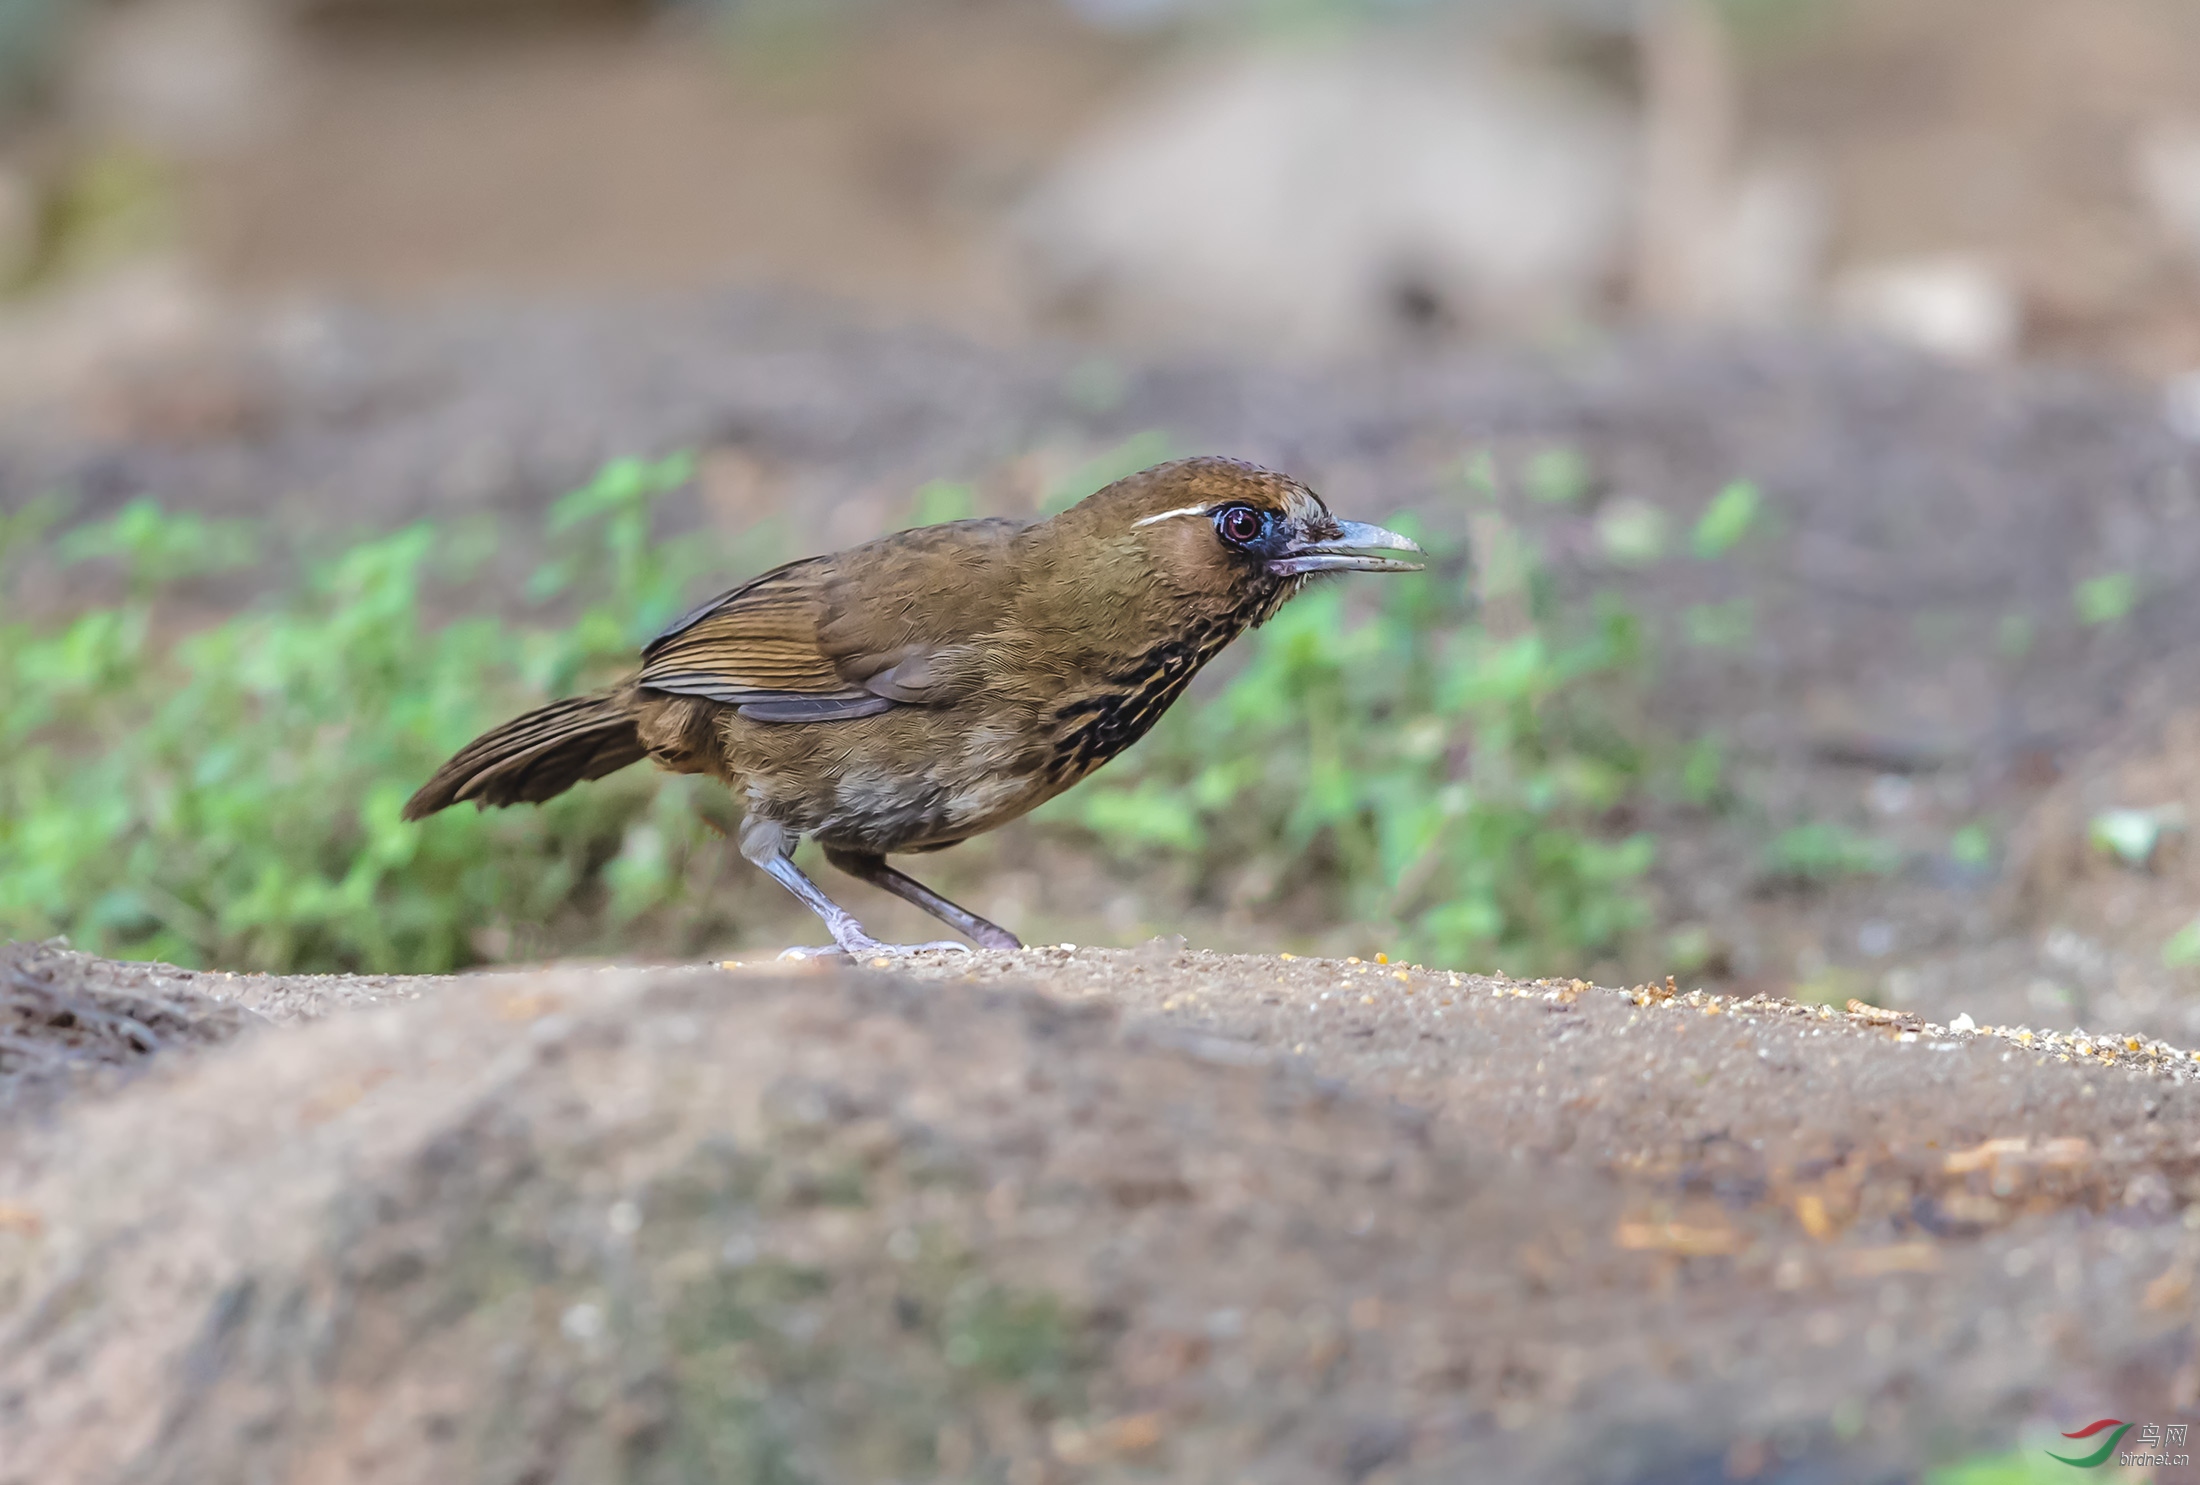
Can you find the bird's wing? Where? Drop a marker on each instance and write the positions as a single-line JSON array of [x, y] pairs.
[[834, 638]]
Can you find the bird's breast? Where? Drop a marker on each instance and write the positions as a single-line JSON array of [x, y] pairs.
[[1105, 718]]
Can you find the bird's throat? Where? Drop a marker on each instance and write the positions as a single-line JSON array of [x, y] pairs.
[[1105, 718]]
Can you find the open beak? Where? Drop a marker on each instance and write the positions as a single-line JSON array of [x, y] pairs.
[[1346, 552]]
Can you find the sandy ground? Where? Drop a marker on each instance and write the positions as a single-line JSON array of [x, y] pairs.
[[1082, 1214]]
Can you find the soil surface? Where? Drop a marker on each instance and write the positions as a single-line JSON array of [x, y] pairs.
[[1076, 1214]]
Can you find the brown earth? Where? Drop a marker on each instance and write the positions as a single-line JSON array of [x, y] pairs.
[[1080, 1215]]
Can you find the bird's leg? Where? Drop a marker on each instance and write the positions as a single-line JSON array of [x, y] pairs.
[[764, 843], [868, 867]]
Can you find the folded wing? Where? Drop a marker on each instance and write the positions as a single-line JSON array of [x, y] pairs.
[[897, 622]]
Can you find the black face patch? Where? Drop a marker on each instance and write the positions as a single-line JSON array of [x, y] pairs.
[[1251, 530]]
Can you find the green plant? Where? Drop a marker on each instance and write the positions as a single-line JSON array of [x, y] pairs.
[[1972, 846], [2183, 948], [2105, 599], [1726, 520], [231, 796], [1703, 773], [1633, 532], [2134, 836], [1557, 476], [1721, 626], [942, 500], [1819, 852]]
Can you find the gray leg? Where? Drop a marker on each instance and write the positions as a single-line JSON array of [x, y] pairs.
[[765, 844], [866, 867]]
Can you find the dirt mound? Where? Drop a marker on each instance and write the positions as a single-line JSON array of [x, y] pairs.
[[67, 1017], [1187, 1216]]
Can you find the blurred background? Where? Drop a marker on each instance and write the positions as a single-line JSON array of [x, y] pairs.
[[1987, 178], [1800, 395]]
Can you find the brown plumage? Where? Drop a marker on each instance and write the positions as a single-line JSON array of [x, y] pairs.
[[928, 686]]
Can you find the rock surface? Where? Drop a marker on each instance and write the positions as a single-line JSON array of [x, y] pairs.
[[1338, 199], [1085, 1215]]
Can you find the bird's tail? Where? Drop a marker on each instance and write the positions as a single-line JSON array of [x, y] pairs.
[[535, 757]]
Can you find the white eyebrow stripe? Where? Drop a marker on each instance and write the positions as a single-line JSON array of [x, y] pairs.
[[1170, 515]]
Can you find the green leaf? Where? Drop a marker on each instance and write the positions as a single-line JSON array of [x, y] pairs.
[[1726, 520], [1150, 814], [1478, 474], [1821, 851], [157, 548], [1703, 772], [2130, 835], [1690, 948], [2105, 599], [1721, 626], [620, 486], [1633, 532], [1557, 476], [1972, 846], [26, 526], [943, 500]]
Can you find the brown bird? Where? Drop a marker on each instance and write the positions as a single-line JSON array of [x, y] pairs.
[[920, 689]]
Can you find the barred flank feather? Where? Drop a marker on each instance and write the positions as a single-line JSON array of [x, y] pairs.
[[535, 757]]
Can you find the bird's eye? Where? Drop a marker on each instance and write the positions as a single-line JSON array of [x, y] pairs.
[[1240, 525]]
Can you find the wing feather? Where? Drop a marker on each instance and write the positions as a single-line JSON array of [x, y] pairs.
[[835, 638], [756, 645]]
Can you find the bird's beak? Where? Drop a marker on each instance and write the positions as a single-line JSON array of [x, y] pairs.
[[1345, 552]]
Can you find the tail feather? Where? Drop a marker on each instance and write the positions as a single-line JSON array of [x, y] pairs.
[[536, 757]]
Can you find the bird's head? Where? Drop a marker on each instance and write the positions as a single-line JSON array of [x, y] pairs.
[[1233, 530]]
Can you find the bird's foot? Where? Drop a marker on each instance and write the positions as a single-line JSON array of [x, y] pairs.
[[865, 949]]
